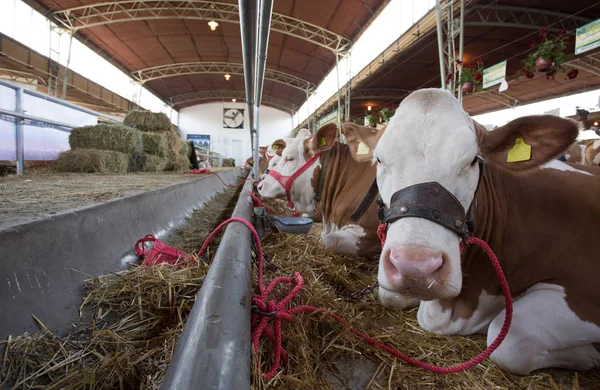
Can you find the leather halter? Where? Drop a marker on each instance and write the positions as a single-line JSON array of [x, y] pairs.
[[287, 181], [431, 201]]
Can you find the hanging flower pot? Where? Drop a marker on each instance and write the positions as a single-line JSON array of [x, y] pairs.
[[529, 75], [468, 87], [543, 65]]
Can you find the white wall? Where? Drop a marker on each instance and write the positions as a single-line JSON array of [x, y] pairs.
[[208, 119]]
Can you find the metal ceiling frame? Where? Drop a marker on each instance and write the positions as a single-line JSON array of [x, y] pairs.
[[587, 64], [522, 17], [267, 100], [87, 16], [499, 97], [188, 68], [378, 93]]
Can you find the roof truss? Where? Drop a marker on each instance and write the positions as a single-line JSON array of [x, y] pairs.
[[240, 96], [170, 70], [99, 14]]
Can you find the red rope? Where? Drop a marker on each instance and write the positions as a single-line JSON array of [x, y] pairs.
[[161, 253], [257, 202], [279, 311], [208, 172]]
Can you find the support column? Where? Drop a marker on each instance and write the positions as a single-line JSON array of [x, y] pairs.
[[461, 45], [66, 77], [440, 40], [19, 133], [256, 141], [339, 94], [308, 109]]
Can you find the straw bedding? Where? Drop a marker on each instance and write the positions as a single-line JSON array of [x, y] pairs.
[[148, 121], [325, 355], [138, 315], [91, 161], [151, 306], [118, 138]]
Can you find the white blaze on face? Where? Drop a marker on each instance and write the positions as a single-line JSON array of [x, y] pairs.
[[430, 139], [292, 159]]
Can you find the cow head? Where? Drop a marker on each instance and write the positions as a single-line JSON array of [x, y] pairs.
[[431, 139], [277, 148], [295, 156]]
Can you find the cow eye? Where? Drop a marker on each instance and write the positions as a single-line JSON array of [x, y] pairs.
[[289, 159], [378, 160]]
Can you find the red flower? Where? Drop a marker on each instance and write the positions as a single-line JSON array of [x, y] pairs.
[[572, 74], [449, 77], [459, 62], [550, 75], [561, 32], [479, 60], [477, 76], [532, 43], [529, 75], [543, 33]]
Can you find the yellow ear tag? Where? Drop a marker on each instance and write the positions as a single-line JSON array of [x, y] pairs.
[[363, 148], [322, 142], [275, 147], [520, 152]]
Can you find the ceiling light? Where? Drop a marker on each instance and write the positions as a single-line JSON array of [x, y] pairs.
[[368, 108], [227, 76], [213, 25], [595, 123], [234, 100]]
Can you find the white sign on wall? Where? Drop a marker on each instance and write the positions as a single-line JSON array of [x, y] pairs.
[[331, 117], [587, 37]]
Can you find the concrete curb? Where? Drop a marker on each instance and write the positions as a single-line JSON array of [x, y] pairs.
[[43, 263]]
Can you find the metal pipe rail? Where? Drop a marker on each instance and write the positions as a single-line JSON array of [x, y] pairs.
[[213, 351]]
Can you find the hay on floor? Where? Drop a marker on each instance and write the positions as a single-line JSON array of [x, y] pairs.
[[148, 121], [92, 161], [118, 138], [152, 163], [139, 315], [155, 143]]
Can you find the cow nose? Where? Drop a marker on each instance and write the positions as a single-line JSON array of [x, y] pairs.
[[260, 186], [411, 268]]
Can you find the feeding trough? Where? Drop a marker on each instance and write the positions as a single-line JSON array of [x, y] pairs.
[[287, 225]]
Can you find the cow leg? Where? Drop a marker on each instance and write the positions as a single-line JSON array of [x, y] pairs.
[[344, 240], [545, 333]]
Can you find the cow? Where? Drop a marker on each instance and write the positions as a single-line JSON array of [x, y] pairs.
[[342, 181], [584, 152], [535, 212], [274, 153]]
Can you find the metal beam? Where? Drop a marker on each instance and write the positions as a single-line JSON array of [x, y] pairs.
[[379, 93], [187, 68], [499, 97], [587, 64], [522, 17], [94, 15], [240, 96]]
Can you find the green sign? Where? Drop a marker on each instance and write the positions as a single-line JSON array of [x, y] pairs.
[[494, 74], [587, 37], [331, 117]]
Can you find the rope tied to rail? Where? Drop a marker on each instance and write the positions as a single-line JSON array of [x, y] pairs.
[[264, 309], [256, 202], [208, 172]]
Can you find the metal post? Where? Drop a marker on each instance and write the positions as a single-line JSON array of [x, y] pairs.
[[19, 133], [213, 351], [339, 94], [461, 44], [440, 39], [139, 98], [66, 77], [308, 110], [256, 147]]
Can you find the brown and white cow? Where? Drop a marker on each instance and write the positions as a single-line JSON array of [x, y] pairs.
[[538, 215], [584, 153], [344, 183]]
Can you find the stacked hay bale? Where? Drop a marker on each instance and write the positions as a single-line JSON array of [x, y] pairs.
[[104, 148], [163, 149]]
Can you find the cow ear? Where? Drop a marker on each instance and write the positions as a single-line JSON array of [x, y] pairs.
[[278, 146], [361, 140], [324, 138], [527, 142]]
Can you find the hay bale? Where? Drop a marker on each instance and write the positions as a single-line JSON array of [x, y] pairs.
[[118, 138], [175, 160], [92, 160], [152, 163], [149, 121], [228, 162], [155, 143]]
